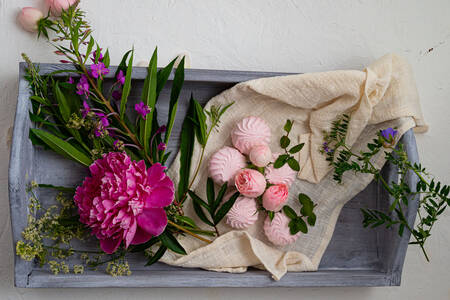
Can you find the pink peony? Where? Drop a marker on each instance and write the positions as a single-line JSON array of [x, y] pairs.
[[57, 6], [260, 155], [29, 18], [275, 197], [250, 183], [123, 200], [277, 230]]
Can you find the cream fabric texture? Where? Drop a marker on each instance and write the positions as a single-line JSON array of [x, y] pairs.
[[383, 95]]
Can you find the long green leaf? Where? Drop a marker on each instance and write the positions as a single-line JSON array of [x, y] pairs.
[[186, 149], [198, 200], [163, 75], [149, 98], [62, 147], [123, 64], [210, 193], [201, 214], [178, 81], [62, 102], [200, 118], [126, 86], [219, 197], [168, 240], [225, 208], [162, 249]]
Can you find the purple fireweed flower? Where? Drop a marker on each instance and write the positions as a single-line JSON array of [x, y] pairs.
[[94, 54], [98, 70], [120, 77], [103, 119], [70, 80], [117, 95], [118, 145], [162, 147], [83, 86], [85, 110], [142, 109], [161, 129]]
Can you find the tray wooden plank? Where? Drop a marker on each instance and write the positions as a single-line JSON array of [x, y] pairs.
[[354, 257]]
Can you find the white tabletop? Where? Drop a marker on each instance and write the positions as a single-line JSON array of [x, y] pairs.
[[286, 36]]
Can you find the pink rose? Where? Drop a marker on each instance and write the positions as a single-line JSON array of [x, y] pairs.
[[29, 17], [260, 155], [275, 197], [57, 6], [250, 183]]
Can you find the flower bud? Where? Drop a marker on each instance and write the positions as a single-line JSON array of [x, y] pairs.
[[260, 155], [29, 18], [275, 197]]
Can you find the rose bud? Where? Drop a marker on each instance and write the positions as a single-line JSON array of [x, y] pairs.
[[57, 6], [250, 183], [260, 155], [29, 18], [275, 197]]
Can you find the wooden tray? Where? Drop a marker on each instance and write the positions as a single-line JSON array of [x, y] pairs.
[[354, 257]]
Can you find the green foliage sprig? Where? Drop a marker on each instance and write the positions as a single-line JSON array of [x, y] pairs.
[[288, 157], [434, 195], [297, 222], [213, 204]]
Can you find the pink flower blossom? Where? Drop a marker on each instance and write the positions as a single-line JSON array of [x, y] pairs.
[[83, 86], [275, 197], [250, 183], [98, 70], [142, 109], [122, 200], [120, 77], [162, 147], [85, 110]]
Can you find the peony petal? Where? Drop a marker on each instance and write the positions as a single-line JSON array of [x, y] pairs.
[[152, 220], [155, 173], [110, 245], [159, 197], [130, 233], [141, 237]]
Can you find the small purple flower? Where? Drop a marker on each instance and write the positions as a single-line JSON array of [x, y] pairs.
[[94, 54], [70, 80], [161, 129], [162, 146], [389, 134], [83, 86], [103, 119], [117, 95], [142, 109], [120, 77], [326, 148], [98, 70], [118, 145], [85, 110]]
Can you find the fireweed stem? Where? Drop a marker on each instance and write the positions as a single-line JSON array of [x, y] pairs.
[[188, 232]]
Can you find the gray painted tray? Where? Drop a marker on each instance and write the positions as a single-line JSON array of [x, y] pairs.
[[354, 257]]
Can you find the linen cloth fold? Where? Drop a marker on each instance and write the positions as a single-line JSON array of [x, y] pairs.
[[383, 95]]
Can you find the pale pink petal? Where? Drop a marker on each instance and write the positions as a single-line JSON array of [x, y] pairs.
[[153, 220]]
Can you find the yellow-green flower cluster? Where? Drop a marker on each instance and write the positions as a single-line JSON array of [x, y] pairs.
[[116, 268]]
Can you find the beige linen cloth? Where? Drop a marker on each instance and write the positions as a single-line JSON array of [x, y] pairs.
[[383, 95]]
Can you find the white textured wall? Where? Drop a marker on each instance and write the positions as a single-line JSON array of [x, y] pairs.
[[292, 36]]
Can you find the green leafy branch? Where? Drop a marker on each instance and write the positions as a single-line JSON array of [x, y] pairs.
[[216, 214], [288, 157], [297, 222], [434, 194]]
